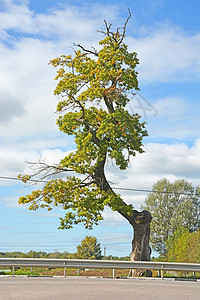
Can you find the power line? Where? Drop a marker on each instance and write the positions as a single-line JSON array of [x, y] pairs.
[[114, 188], [16, 178], [151, 191], [11, 178], [58, 244]]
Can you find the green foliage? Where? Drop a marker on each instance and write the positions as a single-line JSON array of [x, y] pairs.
[[171, 210], [183, 246], [93, 87], [15, 254], [56, 255], [89, 249], [111, 257], [34, 254]]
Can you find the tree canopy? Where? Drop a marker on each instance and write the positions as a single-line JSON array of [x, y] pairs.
[[172, 205], [183, 246], [94, 87], [89, 249]]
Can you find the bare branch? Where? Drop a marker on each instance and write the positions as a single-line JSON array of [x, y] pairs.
[[87, 50], [109, 33], [107, 27], [45, 171], [95, 50], [84, 183], [82, 85], [124, 28]]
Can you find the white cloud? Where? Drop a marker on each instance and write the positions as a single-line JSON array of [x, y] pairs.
[[68, 22], [27, 105], [167, 53], [10, 107], [53, 156], [169, 117], [117, 237], [175, 161], [24, 69], [172, 107], [176, 118], [25, 77], [9, 201], [112, 219], [13, 163]]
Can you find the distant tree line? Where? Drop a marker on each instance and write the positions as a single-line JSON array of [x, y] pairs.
[[56, 254], [33, 254], [88, 249]]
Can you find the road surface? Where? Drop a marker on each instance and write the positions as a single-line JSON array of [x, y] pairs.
[[75, 288]]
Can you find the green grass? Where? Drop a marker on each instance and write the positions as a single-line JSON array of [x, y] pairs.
[[104, 273]]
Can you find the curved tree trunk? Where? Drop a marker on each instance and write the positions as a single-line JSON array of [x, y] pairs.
[[140, 222], [141, 250]]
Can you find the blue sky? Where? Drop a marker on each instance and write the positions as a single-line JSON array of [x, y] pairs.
[[166, 36]]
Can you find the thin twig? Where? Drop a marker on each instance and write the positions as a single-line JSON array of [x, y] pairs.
[[87, 50], [124, 28]]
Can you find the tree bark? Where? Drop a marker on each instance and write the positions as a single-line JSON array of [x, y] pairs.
[[140, 222], [141, 250]]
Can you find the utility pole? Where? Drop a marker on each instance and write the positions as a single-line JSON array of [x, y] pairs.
[[104, 253]]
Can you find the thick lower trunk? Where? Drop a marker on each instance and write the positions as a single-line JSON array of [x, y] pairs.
[[141, 250], [139, 220]]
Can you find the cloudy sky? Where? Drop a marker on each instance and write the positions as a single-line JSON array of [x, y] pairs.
[[166, 36]]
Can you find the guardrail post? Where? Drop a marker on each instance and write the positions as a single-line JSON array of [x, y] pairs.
[[13, 271], [78, 272], [162, 273], [65, 269], [113, 273]]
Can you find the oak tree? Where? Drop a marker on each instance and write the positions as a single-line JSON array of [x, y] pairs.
[[94, 87]]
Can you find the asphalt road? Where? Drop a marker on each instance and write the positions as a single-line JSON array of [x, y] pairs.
[[34, 288]]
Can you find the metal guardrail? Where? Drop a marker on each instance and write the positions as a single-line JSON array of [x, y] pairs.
[[97, 264]]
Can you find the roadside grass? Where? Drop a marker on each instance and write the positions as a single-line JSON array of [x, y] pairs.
[[119, 273]]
